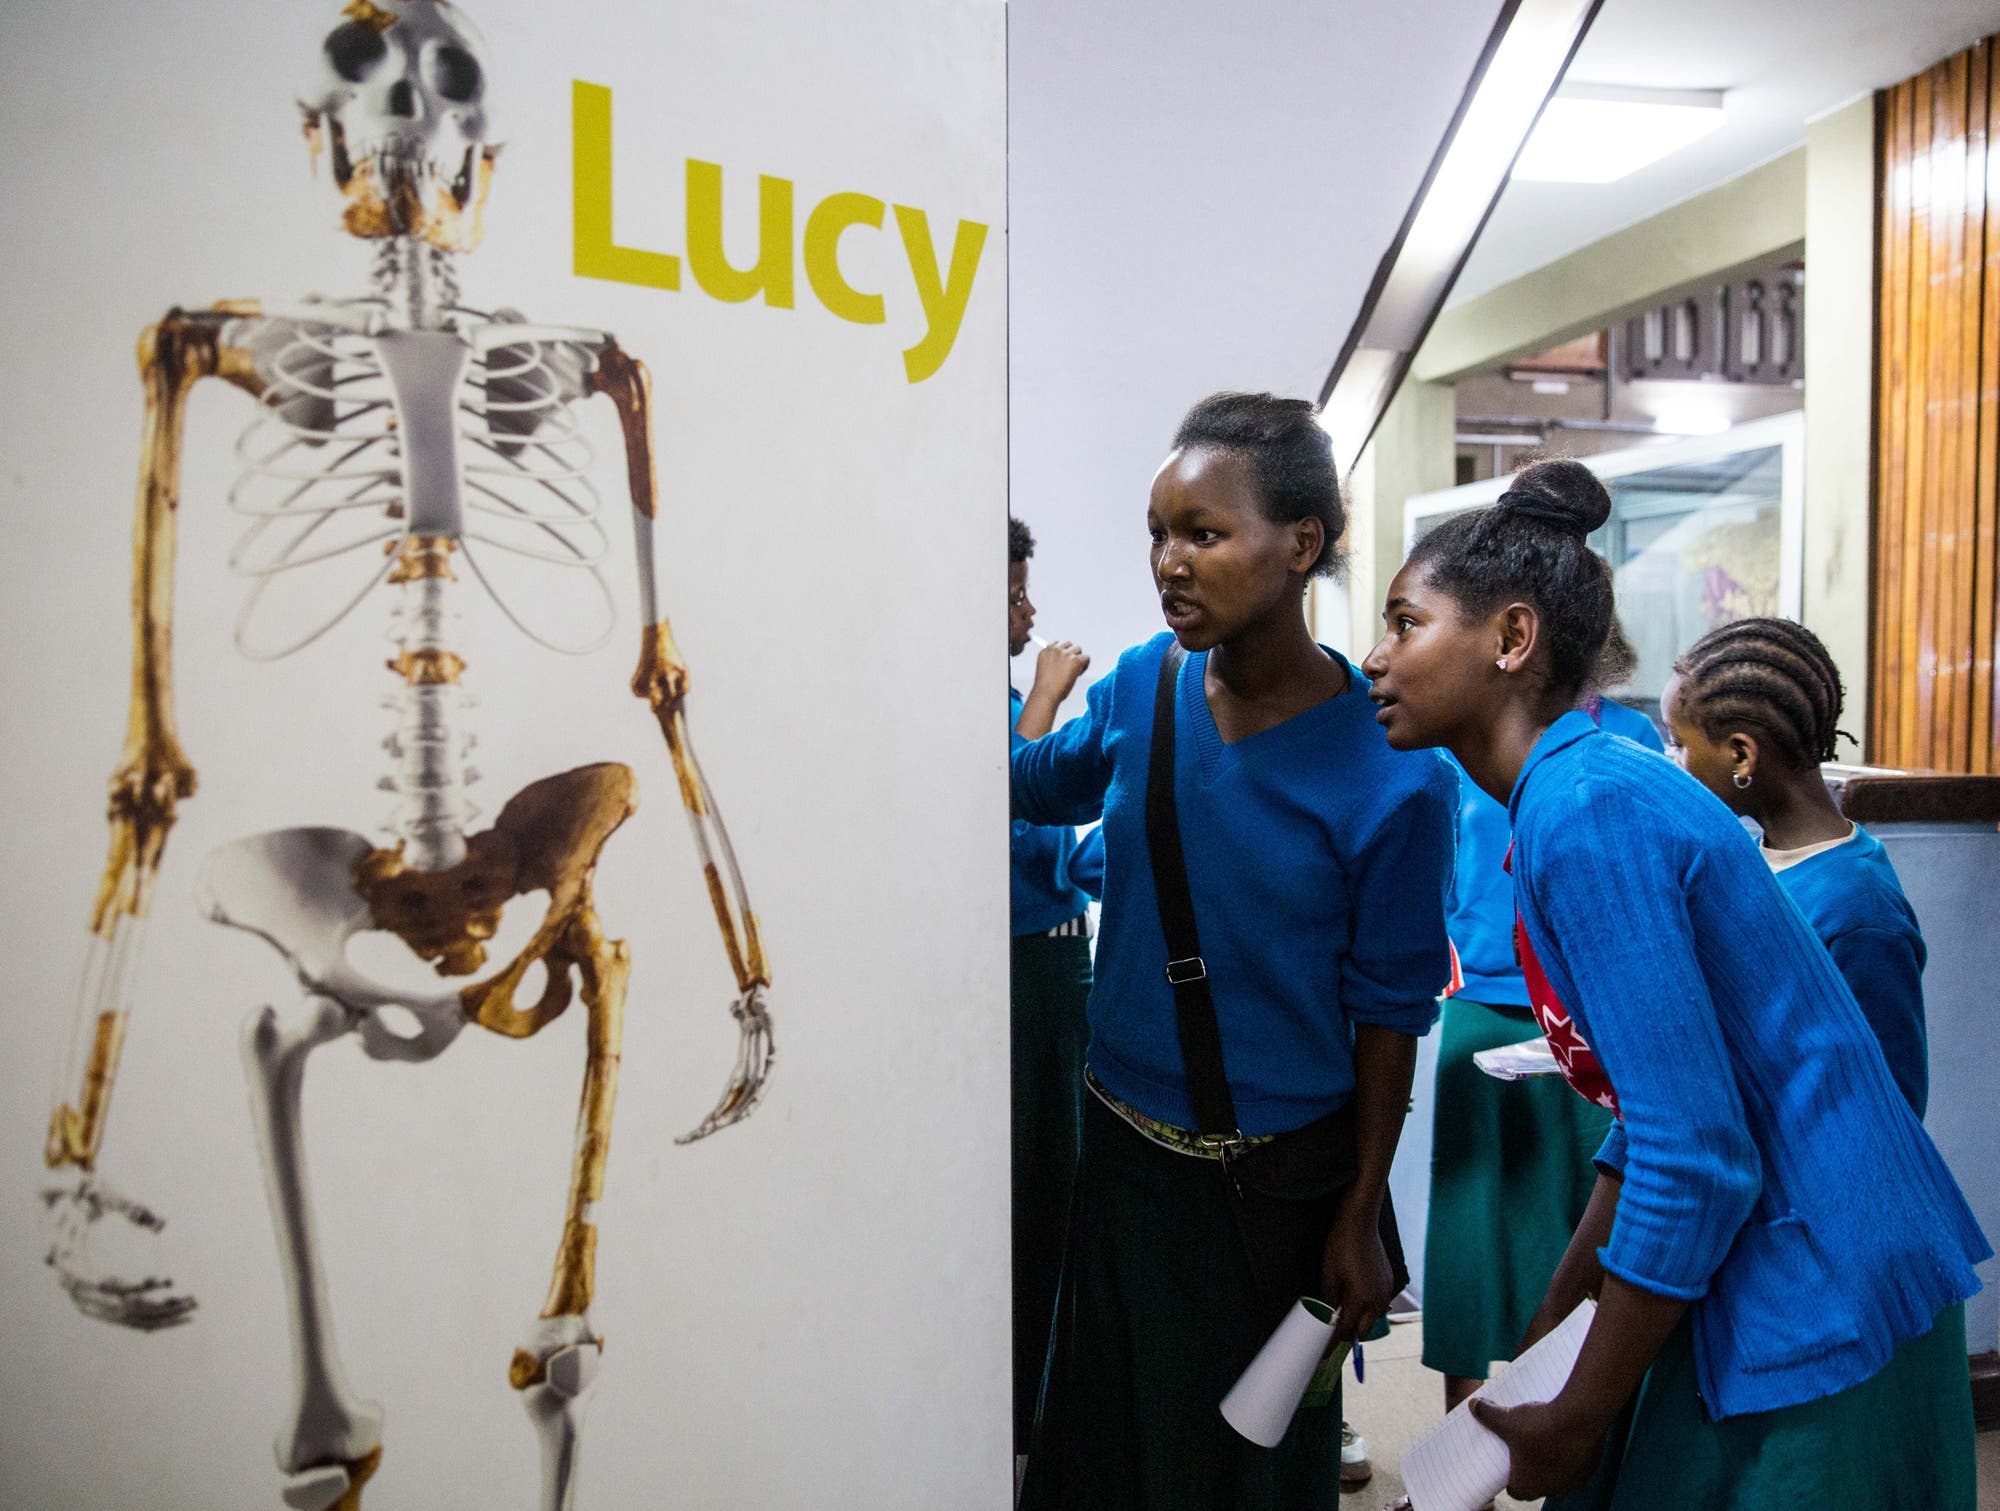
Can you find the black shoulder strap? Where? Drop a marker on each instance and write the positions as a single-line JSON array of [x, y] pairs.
[[1194, 1008]]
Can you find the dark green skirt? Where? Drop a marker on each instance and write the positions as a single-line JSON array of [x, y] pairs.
[[1160, 1313], [1902, 1438], [1510, 1177], [1051, 983]]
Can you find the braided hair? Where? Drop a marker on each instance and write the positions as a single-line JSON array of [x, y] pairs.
[[1530, 546], [1772, 675]]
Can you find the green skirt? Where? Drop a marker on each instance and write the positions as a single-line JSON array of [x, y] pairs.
[[1510, 1177], [1051, 983], [1902, 1438]]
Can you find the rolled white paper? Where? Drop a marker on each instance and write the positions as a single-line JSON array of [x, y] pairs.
[[1261, 1404]]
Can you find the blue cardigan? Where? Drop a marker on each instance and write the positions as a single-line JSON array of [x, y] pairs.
[[1480, 914], [1317, 857], [1774, 1175], [1853, 899]]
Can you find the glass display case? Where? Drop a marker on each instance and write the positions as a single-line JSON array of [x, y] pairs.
[[1703, 530]]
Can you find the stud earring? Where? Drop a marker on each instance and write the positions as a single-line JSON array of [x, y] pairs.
[[1741, 779], [1501, 663]]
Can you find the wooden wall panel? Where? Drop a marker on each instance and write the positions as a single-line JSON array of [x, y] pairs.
[[1935, 700], [1985, 710]]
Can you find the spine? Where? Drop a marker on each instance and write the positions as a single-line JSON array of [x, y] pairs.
[[430, 777], [417, 282]]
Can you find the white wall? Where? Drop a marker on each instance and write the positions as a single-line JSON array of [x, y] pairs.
[[1198, 196], [809, 1310]]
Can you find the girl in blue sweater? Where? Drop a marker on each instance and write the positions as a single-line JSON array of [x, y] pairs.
[[1777, 1250], [1317, 859], [1754, 708]]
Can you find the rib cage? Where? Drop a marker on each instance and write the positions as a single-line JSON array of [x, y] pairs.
[[321, 484]]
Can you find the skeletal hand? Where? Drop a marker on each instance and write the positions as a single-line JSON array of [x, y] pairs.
[[755, 1054], [72, 1213]]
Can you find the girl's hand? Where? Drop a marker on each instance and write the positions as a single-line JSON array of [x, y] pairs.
[[1354, 1270], [1056, 670], [1550, 1451], [1058, 667]]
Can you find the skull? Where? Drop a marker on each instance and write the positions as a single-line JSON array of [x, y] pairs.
[[401, 100]]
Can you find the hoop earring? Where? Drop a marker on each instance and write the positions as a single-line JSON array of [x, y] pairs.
[[1741, 779]]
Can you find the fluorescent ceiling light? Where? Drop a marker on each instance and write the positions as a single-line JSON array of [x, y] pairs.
[[1525, 55], [1598, 133]]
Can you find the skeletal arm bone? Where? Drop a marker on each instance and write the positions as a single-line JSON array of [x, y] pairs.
[[662, 680], [153, 774]]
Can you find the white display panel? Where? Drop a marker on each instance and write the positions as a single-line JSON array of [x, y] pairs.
[[809, 1308]]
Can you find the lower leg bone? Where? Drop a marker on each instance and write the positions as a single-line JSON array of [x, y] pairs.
[[566, 1351], [555, 1367], [332, 1440]]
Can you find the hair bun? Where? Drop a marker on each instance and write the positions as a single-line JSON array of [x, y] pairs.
[[1564, 493]]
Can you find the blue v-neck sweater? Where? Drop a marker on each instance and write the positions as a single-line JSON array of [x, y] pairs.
[[1774, 1175], [1318, 859], [1854, 901]]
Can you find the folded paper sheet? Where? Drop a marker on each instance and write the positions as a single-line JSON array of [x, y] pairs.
[[1516, 1062], [1458, 1465]]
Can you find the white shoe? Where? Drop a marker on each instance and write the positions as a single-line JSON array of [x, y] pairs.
[[1355, 1470]]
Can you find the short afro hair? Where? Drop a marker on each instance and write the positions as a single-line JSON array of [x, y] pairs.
[[1020, 541]]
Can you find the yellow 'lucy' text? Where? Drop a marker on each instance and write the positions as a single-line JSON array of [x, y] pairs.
[[942, 294]]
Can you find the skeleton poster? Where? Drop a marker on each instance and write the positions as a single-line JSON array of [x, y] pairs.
[[499, 491]]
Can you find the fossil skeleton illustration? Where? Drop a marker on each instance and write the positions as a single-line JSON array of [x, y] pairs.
[[427, 447]]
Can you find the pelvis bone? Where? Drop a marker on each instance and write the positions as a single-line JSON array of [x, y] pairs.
[[308, 891]]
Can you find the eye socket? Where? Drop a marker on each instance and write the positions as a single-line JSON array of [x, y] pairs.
[[453, 72], [354, 50]]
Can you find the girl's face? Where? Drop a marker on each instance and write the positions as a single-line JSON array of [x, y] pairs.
[[1220, 564], [1713, 763], [1433, 671]]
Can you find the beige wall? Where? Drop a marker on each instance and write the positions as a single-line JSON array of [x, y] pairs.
[[1411, 453], [1747, 221], [1840, 369]]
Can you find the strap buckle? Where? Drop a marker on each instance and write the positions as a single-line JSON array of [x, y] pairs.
[[1181, 972], [1224, 1144]]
